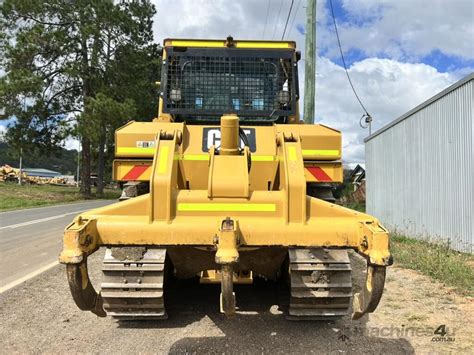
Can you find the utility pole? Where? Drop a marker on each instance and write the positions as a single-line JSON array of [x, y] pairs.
[[310, 63]]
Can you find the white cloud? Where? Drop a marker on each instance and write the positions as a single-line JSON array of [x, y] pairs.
[[410, 29], [71, 143], [403, 30], [3, 130], [397, 29], [208, 19], [387, 87]]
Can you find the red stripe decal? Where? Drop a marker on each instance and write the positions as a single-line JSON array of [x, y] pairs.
[[319, 173], [135, 172]]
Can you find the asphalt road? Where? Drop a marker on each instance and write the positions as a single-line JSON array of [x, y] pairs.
[[30, 240], [39, 314]]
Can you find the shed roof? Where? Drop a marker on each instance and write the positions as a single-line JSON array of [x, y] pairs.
[[421, 106]]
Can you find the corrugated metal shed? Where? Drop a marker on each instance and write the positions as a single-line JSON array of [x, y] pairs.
[[420, 169]]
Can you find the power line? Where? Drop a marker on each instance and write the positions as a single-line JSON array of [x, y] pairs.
[[266, 18], [344, 63], [277, 18], [294, 17], [287, 19]]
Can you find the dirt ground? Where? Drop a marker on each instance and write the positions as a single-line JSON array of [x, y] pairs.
[[40, 316]]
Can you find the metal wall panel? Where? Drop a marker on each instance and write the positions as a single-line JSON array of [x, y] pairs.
[[420, 170]]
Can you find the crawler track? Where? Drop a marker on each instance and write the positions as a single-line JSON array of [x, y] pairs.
[[321, 286], [132, 285]]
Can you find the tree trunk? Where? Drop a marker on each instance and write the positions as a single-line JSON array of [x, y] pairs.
[[86, 168], [101, 161]]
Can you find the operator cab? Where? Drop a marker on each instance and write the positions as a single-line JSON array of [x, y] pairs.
[[203, 80]]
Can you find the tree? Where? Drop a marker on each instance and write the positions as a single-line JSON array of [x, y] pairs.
[[105, 114], [134, 74], [57, 55], [130, 91]]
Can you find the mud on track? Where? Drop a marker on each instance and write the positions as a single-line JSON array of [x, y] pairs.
[[40, 316]]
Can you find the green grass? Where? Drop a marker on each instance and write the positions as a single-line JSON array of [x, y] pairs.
[[13, 196], [452, 268]]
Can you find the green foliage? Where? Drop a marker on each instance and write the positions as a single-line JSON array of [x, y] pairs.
[[345, 188], [435, 260], [37, 89], [105, 112], [62, 160], [58, 53], [132, 75], [59, 56], [14, 196], [358, 206]]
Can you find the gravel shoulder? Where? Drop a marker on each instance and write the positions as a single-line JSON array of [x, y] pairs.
[[40, 316]]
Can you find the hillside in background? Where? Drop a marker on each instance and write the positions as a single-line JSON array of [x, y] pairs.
[[63, 161]]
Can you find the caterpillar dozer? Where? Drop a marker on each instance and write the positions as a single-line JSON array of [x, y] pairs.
[[231, 185]]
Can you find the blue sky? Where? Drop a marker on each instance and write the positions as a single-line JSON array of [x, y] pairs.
[[443, 62], [353, 52], [447, 63], [399, 52]]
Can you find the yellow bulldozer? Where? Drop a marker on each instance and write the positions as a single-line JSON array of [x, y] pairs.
[[228, 185]]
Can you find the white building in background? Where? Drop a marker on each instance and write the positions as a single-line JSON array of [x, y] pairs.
[[420, 169]]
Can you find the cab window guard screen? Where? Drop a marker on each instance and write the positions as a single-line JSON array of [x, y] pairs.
[[209, 83]]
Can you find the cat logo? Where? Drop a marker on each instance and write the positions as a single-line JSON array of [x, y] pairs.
[[212, 137]]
